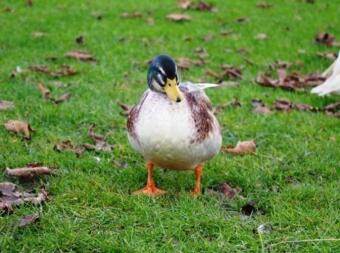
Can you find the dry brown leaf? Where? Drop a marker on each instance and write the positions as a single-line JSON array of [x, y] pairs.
[[62, 98], [242, 148], [67, 145], [29, 3], [184, 4], [283, 105], [233, 103], [45, 92], [10, 198], [19, 127], [125, 107], [288, 81], [64, 70], [100, 143], [231, 72], [28, 172], [81, 55], [325, 39], [177, 17], [28, 219], [259, 107], [264, 5], [186, 63], [6, 105], [333, 110]]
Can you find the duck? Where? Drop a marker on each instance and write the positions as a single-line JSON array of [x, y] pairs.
[[173, 126], [332, 83]]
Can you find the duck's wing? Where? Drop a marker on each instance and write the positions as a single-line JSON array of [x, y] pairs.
[[332, 83], [198, 86]]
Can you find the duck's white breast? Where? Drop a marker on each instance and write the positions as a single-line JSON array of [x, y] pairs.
[[165, 133]]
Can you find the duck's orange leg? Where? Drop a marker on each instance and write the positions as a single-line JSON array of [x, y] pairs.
[[198, 174], [150, 189]]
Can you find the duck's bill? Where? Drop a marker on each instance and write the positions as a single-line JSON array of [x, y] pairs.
[[172, 91]]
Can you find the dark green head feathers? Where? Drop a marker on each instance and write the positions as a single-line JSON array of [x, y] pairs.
[[161, 68]]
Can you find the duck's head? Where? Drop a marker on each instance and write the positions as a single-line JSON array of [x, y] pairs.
[[163, 77]]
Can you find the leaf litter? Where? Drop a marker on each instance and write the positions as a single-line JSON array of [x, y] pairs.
[[29, 172], [19, 127], [241, 148], [28, 219], [10, 197]]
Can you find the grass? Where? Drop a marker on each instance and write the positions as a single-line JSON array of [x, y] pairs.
[[293, 178]]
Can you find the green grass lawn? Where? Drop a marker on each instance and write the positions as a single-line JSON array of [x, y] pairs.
[[293, 178]]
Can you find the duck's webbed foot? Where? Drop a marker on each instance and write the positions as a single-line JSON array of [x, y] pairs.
[[150, 189]]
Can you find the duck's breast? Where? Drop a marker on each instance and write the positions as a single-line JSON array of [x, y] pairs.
[[168, 134]]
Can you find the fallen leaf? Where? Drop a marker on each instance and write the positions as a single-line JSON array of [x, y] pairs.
[[249, 208], [6, 105], [80, 40], [264, 5], [80, 55], [201, 52], [226, 190], [186, 63], [134, 14], [6, 188], [184, 4], [231, 72], [325, 39], [100, 143], [67, 145], [10, 198], [45, 92], [261, 36], [333, 110], [62, 98], [199, 6], [19, 127], [29, 3], [288, 81], [125, 107], [283, 105], [28, 219], [64, 70], [28, 172], [304, 107], [241, 148], [176, 17], [259, 107], [233, 103]]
